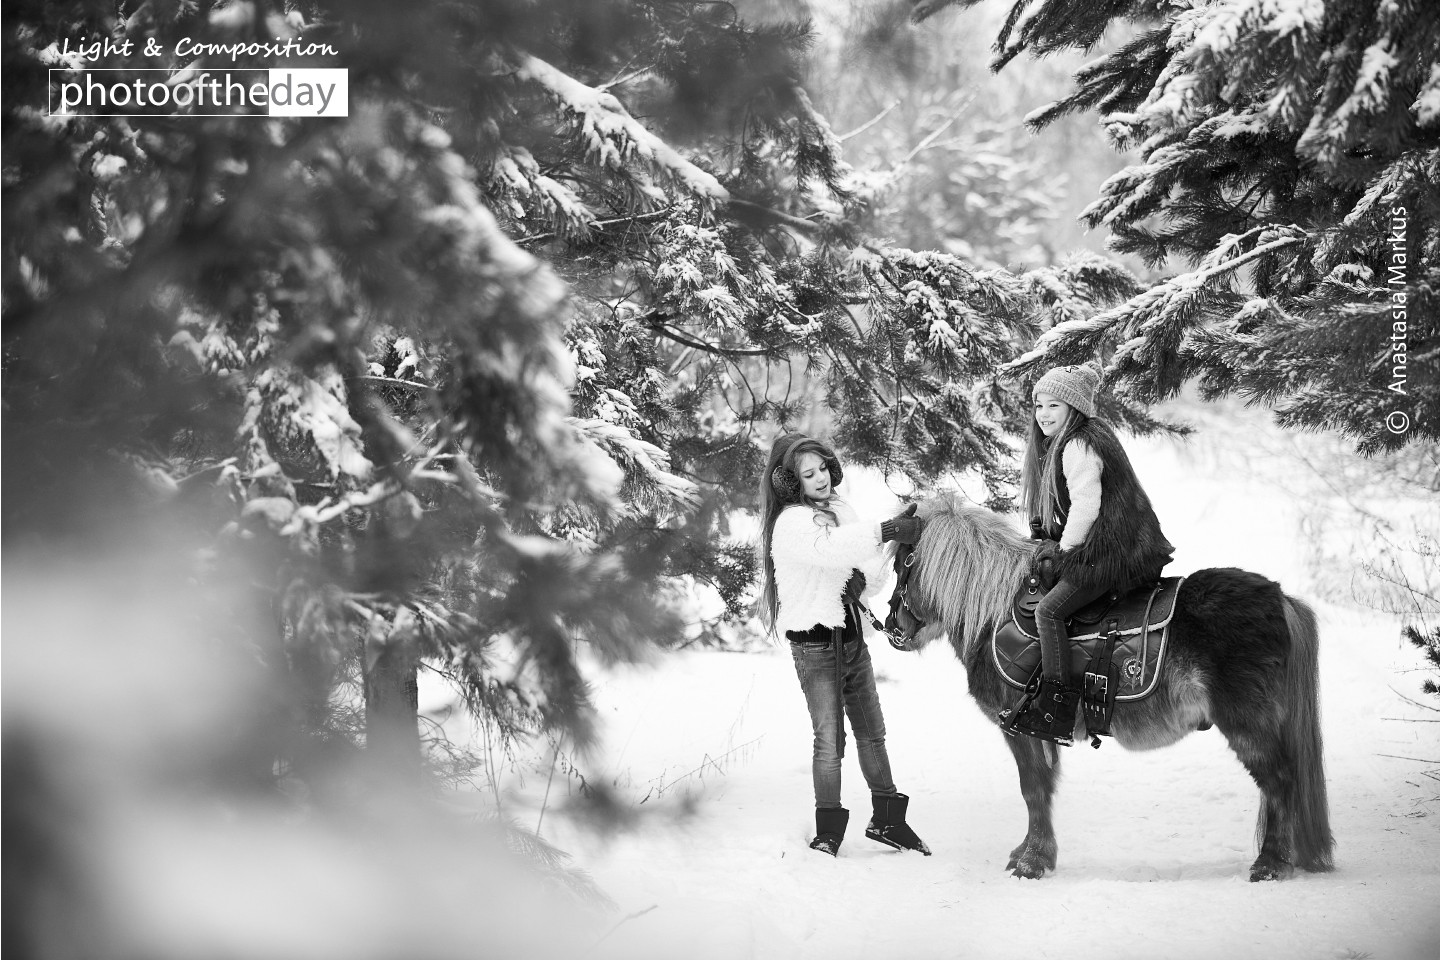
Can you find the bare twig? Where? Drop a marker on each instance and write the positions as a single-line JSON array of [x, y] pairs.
[[404, 383], [707, 761], [622, 77], [785, 219], [933, 136], [602, 224], [492, 773], [545, 802], [1415, 702], [869, 123], [665, 331], [622, 922]]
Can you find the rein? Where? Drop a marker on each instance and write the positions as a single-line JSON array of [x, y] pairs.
[[897, 638]]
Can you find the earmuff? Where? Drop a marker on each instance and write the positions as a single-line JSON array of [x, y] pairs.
[[787, 485]]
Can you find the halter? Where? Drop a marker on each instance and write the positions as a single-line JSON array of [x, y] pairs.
[[900, 638]]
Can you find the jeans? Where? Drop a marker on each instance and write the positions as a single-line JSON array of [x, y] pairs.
[[1064, 598], [815, 665]]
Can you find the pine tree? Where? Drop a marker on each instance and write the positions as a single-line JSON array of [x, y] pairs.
[[945, 165], [1429, 646], [479, 373], [320, 334], [1289, 152]]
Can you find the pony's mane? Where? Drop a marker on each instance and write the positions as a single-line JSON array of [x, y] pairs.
[[970, 562]]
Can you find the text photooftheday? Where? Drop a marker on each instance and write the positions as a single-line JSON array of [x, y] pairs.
[[276, 92]]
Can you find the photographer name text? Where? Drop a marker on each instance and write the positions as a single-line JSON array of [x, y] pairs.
[[1398, 300]]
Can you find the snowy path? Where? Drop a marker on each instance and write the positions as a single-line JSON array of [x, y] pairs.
[[1154, 847], [1161, 840]]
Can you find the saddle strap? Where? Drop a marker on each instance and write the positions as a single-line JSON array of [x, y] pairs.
[[1101, 684]]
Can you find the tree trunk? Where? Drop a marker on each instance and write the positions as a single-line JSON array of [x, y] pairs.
[[392, 701]]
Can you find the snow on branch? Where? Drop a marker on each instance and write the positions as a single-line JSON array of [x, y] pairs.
[[316, 515], [637, 457], [1427, 105], [1387, 183], [1148, 310], [529, 192], [613, 136]]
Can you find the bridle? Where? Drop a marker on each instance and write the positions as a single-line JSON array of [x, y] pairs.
[[903, 624]]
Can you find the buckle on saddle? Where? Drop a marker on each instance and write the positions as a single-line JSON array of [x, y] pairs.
[[1097, 699]]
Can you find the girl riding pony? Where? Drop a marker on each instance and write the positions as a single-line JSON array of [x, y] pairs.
[[1098, 528]]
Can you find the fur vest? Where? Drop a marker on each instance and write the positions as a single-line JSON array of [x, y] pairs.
[[1125, 547]]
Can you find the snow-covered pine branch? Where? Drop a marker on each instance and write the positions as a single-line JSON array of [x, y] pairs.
[[530, 194], [645, 467], [1144, 317], [612, 137], [1251, 116]]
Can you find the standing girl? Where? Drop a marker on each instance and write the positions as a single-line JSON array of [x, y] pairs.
[[816, 558], [1098, 526]]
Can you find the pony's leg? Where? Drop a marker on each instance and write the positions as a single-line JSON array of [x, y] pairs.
[[1263, 754], [1281, 748], [1038, 764]]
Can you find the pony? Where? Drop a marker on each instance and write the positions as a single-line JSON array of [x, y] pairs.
[[1242, 656]]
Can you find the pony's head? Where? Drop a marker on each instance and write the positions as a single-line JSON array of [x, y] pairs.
[[966, 567]]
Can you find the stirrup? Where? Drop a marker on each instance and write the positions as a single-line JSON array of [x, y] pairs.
[[1046, 713]]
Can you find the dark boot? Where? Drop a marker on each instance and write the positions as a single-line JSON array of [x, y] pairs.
[[888, 824], [1047, 714], [830, 823]]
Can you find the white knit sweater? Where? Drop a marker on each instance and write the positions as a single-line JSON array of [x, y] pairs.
[[813, 560], [1083, 470]]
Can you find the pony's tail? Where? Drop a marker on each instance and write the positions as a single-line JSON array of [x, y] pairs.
[[1313, 844]]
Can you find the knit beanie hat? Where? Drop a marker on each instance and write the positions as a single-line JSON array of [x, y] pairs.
[[1074, 385]]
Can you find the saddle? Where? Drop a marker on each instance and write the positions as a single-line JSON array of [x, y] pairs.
[[1117, 644]]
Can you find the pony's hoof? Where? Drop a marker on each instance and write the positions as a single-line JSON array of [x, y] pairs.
[[1028, 869], [1271, 870]]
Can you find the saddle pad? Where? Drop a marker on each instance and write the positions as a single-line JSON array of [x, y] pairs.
[[1139, 655]]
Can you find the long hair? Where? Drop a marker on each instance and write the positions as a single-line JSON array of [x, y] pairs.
[[785, 452], [1039, 475]]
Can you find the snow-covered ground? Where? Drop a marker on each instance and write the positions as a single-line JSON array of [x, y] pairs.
[[1154, 847], [128, 746]]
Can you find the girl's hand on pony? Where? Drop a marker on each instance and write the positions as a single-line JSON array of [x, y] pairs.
[[904, 527], [1047, 551], [1044, 561]]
